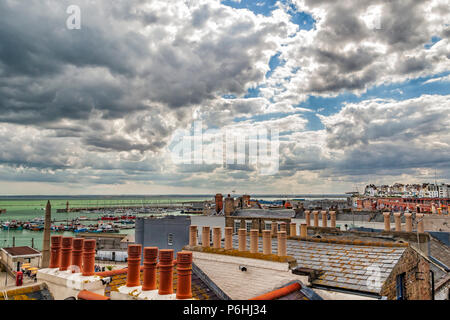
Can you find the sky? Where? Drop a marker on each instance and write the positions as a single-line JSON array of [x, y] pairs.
[[348, 92]]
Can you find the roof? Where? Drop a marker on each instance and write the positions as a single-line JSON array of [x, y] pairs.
[[21, 251], [265, 213], [342, 265], [34, 292], [440, 252]]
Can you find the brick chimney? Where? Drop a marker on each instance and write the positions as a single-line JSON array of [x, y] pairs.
[[219, 202], [274, 228], [420, 226], [66, 253], [254, 240], [184, 271], [308, 217], [217, 237], [316, 218], [89, 257], [150, 262], [398, 221], [303, 230], [282, 242], [408, 218], [134, 263], [205, 237], [166, 271], [324, 218], [193, 236], [55, 252], [293, 229], [333, 219], [229, 206], [387, 222], [77, 255], [228, 238], [242, 238], [267, 241]]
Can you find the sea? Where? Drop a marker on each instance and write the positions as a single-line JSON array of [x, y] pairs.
[[26, 208]]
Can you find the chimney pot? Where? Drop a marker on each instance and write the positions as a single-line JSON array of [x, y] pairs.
[[267, 241], [89, 257], [333, 219], [283, 226], [228, 238], [217, 237], [408, 218], [282, 242], [316, 218], [55, 252], [134, 263], [150, 262], [274, 228], [166, 271], [193, 236], [205, 237], [324, 219], [77, 255], [420, 226], [308, 217], [293, 229], [387, 222], [184, 271], [398, 221], [66, 253], [242, 237], [254, 240], [303, 230]]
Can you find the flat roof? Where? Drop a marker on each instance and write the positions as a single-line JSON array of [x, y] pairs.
[[21, 251]]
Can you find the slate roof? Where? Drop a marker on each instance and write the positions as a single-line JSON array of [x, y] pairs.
[[440, 251], [266, 213], [343, 266], [34, 292]]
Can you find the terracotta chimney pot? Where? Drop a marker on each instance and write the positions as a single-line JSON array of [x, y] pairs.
[[282, 243], [77, 255], [134, 263], [254, 240], [242, 236], [398, 221], [228, 238], [55, 251], [66, 253], [316, 218], [324, 219], [192, 236], [274, 228], [293, 229], [217, 237], [150, 262], [166, 271], [333, 219], [308, 217], [420, 226], [184, 271], [206, 237], [303, 230], [283, 226], [89, 257], [267, 241], [408, 218], [387, 222]]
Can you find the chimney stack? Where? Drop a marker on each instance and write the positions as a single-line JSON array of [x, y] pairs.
[[308, 217], [89, 257], [150, 262], [184, 271], [398, 221], [303, 230], [387, 222], [254, 240], [46, 241], [274, 228], [217, 237], [293, 229], [316, 218], [282, 242], [205, 237], [228, 238], [408, 218], [333, 219], [242, 236], [324, 219], [55, 253], [219, 202], [267, 241], [193, 236], [134, 263], [420, 226], [66, 253], [166, 271], [77, 255]]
